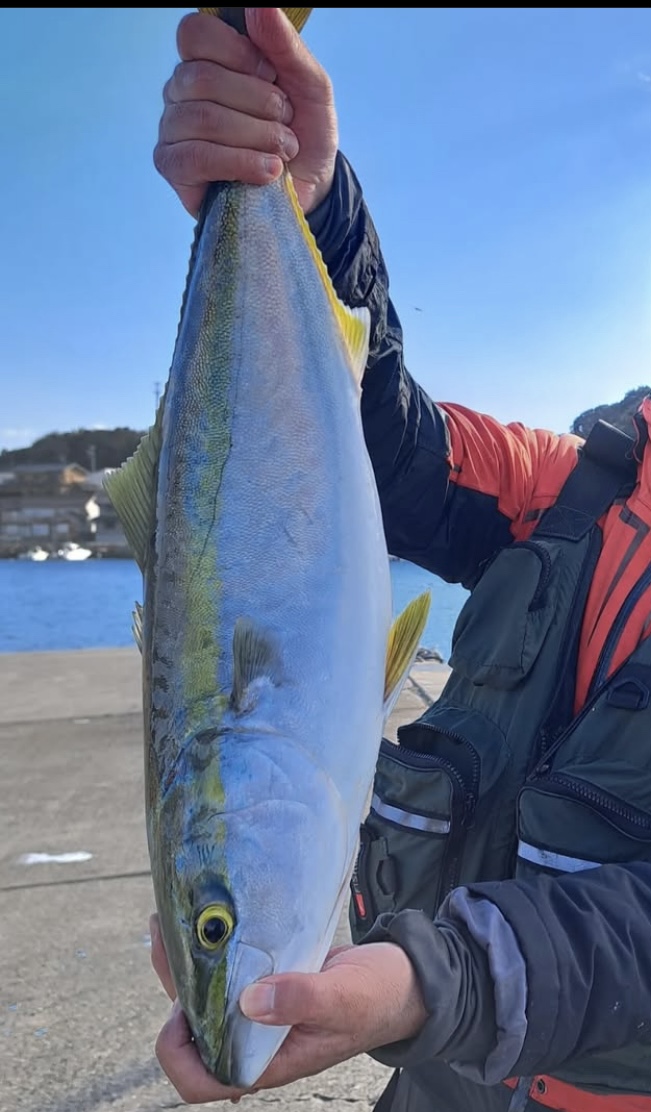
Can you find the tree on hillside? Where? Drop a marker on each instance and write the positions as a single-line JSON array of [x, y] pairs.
[[96, 449], [93, 449], [620, 414]]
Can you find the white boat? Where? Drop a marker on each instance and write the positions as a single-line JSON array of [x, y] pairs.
[[72, 551], [37, 554]]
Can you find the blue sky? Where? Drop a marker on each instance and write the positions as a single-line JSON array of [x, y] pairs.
[[505, 154]]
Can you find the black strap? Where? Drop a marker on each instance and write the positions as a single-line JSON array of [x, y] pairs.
[[606, 468]]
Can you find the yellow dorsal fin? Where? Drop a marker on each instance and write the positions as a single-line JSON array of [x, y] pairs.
[[355, 324], [402, 646]]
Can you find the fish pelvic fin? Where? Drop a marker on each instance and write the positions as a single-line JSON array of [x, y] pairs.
[[236, 17], [402, 646], [255, 657], [132, 491]]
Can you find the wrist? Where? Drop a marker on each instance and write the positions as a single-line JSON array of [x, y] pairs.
[[321, 193], [412, 1015], [315, 196], [432, 983]]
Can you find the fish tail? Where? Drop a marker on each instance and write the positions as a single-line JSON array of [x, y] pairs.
[[236, 17], [354, 324]]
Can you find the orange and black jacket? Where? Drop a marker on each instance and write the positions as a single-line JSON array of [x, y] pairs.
[[455, 487]]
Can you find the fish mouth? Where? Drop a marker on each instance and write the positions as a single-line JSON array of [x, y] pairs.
[[245, 1048], [247, 1051]]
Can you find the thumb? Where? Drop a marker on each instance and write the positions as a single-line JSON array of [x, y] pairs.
[[293, 998], [298, 71]]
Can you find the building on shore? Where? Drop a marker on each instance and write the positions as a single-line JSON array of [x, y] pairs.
[[108, 536], [51, 504]]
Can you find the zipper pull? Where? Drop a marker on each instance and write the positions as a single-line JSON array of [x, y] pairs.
[[468, 812]]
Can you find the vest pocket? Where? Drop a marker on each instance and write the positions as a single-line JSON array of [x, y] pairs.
[[569, 821], [425, 795], [502, 627]]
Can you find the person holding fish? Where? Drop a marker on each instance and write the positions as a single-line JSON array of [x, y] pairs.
[[501, 901]]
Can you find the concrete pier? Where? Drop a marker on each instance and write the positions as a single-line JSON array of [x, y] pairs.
[[80, 1007]]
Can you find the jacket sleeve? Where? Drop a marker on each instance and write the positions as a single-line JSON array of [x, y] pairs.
[[524, 977], [454, 486]]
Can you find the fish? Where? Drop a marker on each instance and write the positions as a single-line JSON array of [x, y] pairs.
[[269, 657]]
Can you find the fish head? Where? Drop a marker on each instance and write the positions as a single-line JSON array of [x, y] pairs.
[[235, 1050], [201, 939], [229, 919], [240, 902], [210, 966]]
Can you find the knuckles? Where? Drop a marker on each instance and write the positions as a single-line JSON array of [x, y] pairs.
[[197, 79], [189, 120], [180, 163]]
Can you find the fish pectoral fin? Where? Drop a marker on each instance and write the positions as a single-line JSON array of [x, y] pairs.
[[255, 657], [402, 646], [132, 491], [136, 627]]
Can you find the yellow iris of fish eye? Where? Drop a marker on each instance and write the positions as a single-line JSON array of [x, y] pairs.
[[214, 916]]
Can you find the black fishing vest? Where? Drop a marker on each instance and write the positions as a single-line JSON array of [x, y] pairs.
[[499, 778]]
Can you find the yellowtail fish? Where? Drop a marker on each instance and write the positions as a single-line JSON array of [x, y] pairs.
[[252, 511]]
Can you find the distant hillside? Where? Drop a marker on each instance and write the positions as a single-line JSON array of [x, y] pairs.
[[619, 414], [96, 449], [91, 448]]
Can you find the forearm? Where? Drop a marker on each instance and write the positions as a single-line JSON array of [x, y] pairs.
[[523, 978]]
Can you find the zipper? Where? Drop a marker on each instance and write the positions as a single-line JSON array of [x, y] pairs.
[[546, 561], [428, 759], [601, 801], [361, 895], [550, 736], [460, 810], [464, 799], [617, 628], [557, 739]]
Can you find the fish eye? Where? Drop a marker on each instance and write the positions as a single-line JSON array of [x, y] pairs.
[[214, 926]]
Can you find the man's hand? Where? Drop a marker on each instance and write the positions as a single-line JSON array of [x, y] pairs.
[[226, 120], [365, 997]]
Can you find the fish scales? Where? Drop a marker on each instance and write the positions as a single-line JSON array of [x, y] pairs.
[[252, 510]]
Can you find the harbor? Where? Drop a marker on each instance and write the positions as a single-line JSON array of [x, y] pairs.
[[57, 511]]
